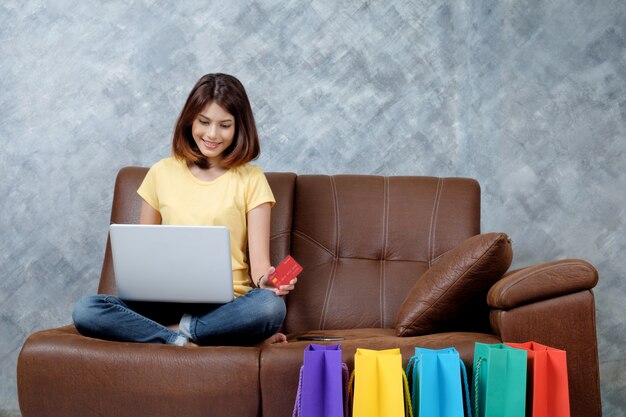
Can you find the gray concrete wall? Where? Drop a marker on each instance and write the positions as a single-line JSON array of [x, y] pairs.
[[526, 96]]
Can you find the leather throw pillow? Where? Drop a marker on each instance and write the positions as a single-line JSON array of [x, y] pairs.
[[455, 286]]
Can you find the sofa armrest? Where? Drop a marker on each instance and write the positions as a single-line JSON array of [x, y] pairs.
[[542, 282], [553, 304]]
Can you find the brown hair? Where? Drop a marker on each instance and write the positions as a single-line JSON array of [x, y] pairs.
[[228, 92]]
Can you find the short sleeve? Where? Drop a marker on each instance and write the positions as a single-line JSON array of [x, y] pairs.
[[148, 189], [258, 189]]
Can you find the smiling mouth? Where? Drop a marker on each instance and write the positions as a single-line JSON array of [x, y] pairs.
[[211, 145]]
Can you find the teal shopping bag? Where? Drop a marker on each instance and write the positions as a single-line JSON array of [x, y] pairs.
[[435, 383], [499, 381]]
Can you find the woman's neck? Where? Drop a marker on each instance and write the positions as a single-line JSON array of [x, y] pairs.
[[211, 173]]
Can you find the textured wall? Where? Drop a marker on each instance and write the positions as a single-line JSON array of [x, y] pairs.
[[527, 96]]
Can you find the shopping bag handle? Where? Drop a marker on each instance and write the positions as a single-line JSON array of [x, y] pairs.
[[351, 387], [297, 407], [345, 376], [476, 377], [411, 372], [408, 408], [465, 384]]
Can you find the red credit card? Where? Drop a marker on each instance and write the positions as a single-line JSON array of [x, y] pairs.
[[287, 270]]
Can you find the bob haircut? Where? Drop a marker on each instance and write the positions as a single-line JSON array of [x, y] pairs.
[[228, 92]]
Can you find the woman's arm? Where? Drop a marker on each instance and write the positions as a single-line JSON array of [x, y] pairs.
[[259, 240], [148, 214], [259, 248]]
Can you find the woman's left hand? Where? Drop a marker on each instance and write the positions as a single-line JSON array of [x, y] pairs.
[[282, 290]]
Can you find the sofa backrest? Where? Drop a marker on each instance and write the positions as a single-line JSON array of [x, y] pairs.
[[127, 203], [364, 240]]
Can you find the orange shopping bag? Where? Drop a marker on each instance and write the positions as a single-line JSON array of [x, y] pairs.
[[547, 390]]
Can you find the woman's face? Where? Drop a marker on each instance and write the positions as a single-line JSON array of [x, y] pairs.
[[213, 130]]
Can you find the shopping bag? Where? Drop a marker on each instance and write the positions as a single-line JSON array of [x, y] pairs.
[[322, 389], [499, 381], [380, 385], [435, 383], [547, 387]]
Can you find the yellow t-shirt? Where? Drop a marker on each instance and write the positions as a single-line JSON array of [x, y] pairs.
[[182, 199]]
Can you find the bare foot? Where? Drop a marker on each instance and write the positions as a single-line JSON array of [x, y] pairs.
[[273, 339]]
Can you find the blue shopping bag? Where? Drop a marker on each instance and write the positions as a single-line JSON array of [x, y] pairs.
[[435, 383]]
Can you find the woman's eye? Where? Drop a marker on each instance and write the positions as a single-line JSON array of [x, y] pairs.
[[202, 122], [226, 126]]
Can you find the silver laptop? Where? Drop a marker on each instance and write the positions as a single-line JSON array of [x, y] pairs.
[[185, 264]]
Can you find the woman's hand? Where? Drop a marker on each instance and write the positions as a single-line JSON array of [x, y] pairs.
[[267, 285]]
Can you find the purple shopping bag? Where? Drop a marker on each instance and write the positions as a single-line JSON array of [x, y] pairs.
[[322, 390]]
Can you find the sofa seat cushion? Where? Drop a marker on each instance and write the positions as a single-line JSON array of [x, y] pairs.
[[451, 294], [280, 364], [82, 376]]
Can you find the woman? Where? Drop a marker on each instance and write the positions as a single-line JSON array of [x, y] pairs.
[[208, 181]]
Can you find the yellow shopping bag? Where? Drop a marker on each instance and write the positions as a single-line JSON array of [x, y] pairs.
[[380, 385]]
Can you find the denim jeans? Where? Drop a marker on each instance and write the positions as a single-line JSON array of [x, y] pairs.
[[248, 319]]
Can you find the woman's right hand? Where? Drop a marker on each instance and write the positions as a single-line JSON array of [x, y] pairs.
[[265, 283]]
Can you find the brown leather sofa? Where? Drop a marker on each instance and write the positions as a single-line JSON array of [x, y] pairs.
[[363, 241]]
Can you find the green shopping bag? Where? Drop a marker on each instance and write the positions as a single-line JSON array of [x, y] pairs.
[[499, 381]]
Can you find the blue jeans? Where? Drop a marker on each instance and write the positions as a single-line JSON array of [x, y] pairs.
[[248, 319]]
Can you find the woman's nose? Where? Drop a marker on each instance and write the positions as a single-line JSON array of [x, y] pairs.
[[211, 131]]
